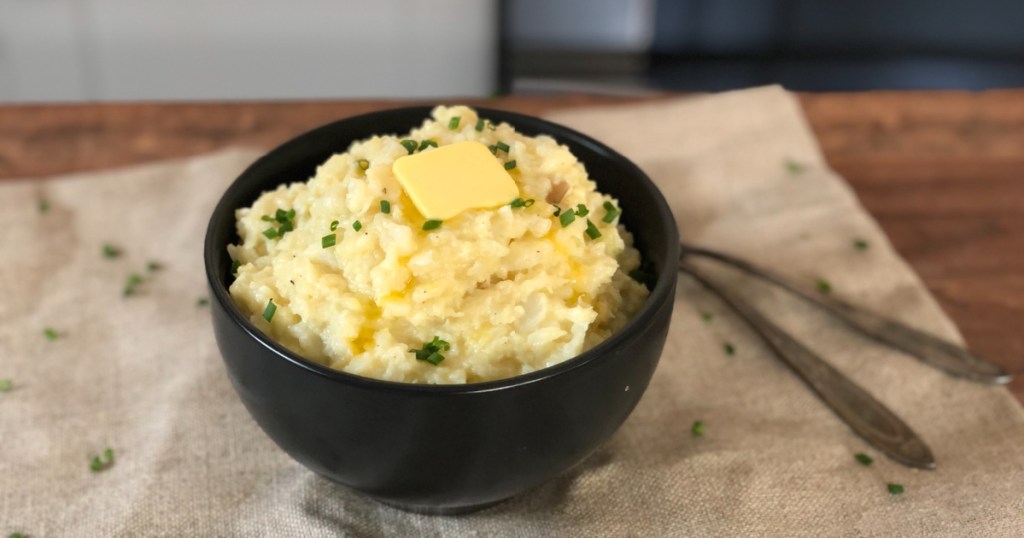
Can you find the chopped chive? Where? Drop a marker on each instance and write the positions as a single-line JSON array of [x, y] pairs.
[[519, 202], [490, 125], [203, 301], [51, 334], [454, 123], [153, 267], [432, 224], [329, 240], [363, 164], [610, 212], [581, 210], [707, 316], [334, 225], [44, 206], [510, 165], [558, 211], [268, 312], [639, 275], [494, 149], [824, 286], [133, 282], [697, 429], [480, 125], [530, 202], [267, 218], [290, 214], [357, 225], [566, 218], [427, 144], [729, 348], [6, 385], [864, 459], [860, 244], [97, 464], [409, 145], [110, 251], [431, 351], [385, 207], [235, 264], [794, 167], [271, 233], [592, 231], [501, 146], [895, 489]]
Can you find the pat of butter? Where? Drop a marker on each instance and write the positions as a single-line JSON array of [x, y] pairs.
[[448, 180]]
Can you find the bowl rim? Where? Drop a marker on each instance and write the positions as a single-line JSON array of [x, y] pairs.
[[663, 290]]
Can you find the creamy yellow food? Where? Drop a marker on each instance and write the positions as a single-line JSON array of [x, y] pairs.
[[500, 291]]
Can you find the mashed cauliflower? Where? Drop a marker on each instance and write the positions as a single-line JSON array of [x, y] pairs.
[[509, 290]]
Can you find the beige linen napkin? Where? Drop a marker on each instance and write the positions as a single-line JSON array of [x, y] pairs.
[[141, 374]]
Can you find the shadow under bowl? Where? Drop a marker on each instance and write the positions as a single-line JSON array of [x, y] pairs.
[[443, 448]]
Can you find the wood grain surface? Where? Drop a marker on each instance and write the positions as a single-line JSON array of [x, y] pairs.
[[942, 172]]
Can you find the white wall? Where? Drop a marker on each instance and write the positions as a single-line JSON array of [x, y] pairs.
[[253, 49]]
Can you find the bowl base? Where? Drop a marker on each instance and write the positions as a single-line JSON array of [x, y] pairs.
[[441, 511]]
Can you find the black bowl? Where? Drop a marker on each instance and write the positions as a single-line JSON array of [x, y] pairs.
[[443, 448]]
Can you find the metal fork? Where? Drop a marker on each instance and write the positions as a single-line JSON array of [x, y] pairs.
[[863, 413]]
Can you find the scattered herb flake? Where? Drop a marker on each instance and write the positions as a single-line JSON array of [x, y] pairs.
[[334, 225], [794, 167], [610, 212], [385, 207], [203, 301], [427, 144], [863, 458], [581, 210], [101, 464], [729, 348], [480, 125], [133, 282], [153, 267], [860, 244], [566, 218], [6, 385], [235, 264], [268, 312], [16, 535], [357, 225], [329, 240], [510, 165], [431, 224], [824, 286], [43, 206], [519, 202], [494, 149], [592, 231], [501, 146], [110, 251], [363, 164], [895, 489], [270, 233], [707, 316], [409, 145], [431, 351], [454, 122], [51, 334], [697, 429]]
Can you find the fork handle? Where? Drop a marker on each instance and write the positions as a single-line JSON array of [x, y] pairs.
[[868, 417]]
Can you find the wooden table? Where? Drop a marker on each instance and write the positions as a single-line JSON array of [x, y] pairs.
[[942, 172]]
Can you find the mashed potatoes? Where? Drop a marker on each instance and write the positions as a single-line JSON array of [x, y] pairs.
[[499, 292]]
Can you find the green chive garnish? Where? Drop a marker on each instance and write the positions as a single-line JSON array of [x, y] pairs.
[[363, 164], [97, 464], [480, 125], [385, 207], [895, 489], [268, 312], [860, 244], [44, 206], [267, 218], [519, 202], [794, 167], [6, 385], [51, 334], [203, 301], [501, 146], [427, 144], [566, 218], [16, 535], [132, 283], [592, 231], [235, 264], [409, 145], [707, 316], [454, 123], [357, 225], [610, 212], [271, 233], [697, 429], [824, 286], [581, 210], [432, 224], [329, 240], [110, 251], [729, 348], [494, 149], [510, 165], [334, 225], [864, 459], [431, 351], [558, 211], [153, 267]]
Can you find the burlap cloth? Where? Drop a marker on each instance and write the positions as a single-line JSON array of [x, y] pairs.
[[142, 374]]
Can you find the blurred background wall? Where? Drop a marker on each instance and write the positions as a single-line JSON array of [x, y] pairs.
[[72, 50]]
